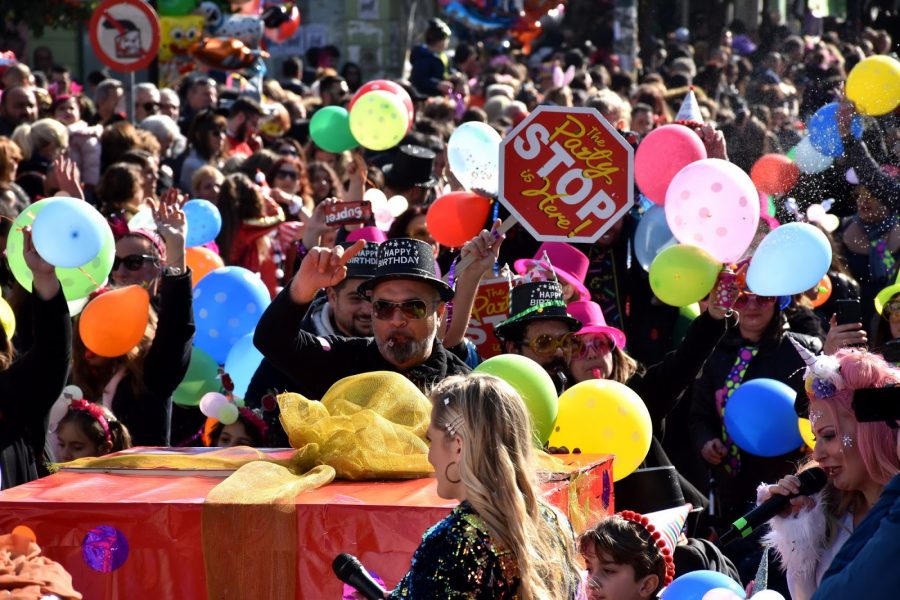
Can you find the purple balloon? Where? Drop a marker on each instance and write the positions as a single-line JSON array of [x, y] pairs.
[[104, 548]]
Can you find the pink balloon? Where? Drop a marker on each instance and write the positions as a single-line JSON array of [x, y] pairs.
[[713, 204], [661, 155], [386, 85]]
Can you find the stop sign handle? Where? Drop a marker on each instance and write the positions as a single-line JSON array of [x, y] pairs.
[[505, 226]]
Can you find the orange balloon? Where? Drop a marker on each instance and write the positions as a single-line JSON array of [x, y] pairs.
[[456, 218], [774, 174], [114, 322], [201, 261], [823, 292]]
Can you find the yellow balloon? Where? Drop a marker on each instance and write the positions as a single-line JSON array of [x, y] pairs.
[[7, 319], [874, 85], [604, 417], [806, 433], [378, 120]]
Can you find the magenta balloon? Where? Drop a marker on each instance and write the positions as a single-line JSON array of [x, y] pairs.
[[713, 204], [660, 156]]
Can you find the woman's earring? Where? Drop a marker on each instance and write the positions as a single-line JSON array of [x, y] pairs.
[[447, 473]]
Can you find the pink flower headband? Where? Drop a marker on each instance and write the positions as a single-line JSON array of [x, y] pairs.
[[96, 411]]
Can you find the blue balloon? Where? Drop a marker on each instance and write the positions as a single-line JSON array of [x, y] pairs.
[[69, 233], [760, 418], [823, 130], [228, 303], [242, 362], [693, 585], [203, 222], [466, 17], [652, 235], [791, 259]]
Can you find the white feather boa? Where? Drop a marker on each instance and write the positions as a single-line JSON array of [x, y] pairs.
[[799, 540]]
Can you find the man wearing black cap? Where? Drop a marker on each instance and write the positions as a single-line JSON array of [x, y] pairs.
[[539, 328], [408, 303], [410, 174]]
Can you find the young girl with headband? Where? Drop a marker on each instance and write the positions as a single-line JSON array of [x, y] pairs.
[[89, 429]]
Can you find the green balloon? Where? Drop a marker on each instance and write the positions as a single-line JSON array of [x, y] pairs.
[[683, 274], [686, 316], [533, 384], [330, 129], [176, 8], [202, 377], [77, 283]]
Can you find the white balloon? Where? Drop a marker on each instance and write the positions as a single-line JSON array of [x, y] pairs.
[[397, 205], [375, 196], [142, 219], [810, 160], [473, 153], [767, 595]]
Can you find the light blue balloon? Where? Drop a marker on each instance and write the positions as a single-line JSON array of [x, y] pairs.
[[791, 259], [242, 362], [810, 160], [760, 418], [693, 585], [203, 222], [69, 233], [823, 130], [473, 153], [228, 303], [652, 235]]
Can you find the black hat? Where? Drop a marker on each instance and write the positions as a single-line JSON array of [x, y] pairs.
[[362, 266], [405, 258], [411, 166], [534, 301], [649, 490]]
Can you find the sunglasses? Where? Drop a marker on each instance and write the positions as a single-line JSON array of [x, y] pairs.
[[288, 151], [582, 345], [761, 301], [411, 309], [151, 106], [133, 262], [891, 310], [548, 344], [287, 174]]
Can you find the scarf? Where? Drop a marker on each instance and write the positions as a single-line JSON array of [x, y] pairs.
[[882, 264], [732, 461]]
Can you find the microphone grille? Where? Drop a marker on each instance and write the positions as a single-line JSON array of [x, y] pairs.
[[812, 481], [343, 564]]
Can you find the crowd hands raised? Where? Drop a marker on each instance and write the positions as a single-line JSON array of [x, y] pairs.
[[385, 294]]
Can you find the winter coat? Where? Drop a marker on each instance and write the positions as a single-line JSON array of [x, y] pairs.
[[428, 70], [84, 149]]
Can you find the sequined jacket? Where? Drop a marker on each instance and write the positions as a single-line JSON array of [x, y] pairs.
[[458, 559]]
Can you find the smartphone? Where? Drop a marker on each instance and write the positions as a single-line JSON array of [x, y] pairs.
[[848, 311], [348, 213], [877, 404]]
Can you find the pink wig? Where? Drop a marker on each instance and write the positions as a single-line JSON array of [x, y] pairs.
[[877, 442]]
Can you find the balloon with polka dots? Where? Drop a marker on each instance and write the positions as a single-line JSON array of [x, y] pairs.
[[714, 205]]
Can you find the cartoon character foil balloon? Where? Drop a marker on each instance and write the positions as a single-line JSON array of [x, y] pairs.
[[226, 54], [212, 14], [246, 28], [177, 34]]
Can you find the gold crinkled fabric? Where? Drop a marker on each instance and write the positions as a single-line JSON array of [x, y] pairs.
[[360, 414]]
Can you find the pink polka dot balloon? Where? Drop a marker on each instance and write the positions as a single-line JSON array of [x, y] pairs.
[[713, 204]]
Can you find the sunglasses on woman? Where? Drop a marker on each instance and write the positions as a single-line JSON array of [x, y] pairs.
[[151, 107], [582, 345], [287, 174], [134, 262], [548, 344], [891, 310], [761, 301], [288, 151], [383, 310]]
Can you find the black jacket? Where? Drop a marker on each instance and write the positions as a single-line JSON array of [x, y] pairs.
[[776, 359], [147, 415], [30, 386], [301, 356]]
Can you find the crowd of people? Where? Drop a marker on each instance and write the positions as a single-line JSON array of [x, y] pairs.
[[349, 300]]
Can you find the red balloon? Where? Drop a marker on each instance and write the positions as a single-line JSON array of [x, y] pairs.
[[286, 30], [665, 151], [774, 174], [456, 218], [386, 86]]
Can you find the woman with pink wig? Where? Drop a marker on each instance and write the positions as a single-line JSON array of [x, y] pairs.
[[859, 459]]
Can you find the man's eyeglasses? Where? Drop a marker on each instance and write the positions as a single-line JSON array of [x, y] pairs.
[[583, 344], [133, 262], [151, 107], [411, 309], [548, 344], [287, 174], [761, 301], [891, 311]]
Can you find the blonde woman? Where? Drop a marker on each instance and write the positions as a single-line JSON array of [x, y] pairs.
[[501, 541], [41, 143]]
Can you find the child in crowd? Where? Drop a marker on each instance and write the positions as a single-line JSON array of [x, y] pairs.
[[248, 430], [89, 429], [626, 558]]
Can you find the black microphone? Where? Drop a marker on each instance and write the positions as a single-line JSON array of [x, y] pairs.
[[349, 570], [811, 481]]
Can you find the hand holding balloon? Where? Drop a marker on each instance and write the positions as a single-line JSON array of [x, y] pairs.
[[45, 283], [484, 249], [171, 224]]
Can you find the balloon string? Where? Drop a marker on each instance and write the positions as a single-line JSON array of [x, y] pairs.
[[88, 275]]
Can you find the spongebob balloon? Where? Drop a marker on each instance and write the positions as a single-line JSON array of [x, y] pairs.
[[177, 35]]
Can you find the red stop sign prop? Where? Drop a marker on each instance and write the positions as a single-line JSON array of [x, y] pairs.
[[566, 174]]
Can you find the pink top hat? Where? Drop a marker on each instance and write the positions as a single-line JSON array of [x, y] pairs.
[[591, 316], [569, 263], [370, 234]]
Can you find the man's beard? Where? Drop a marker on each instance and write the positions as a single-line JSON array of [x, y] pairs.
[[399, 348]]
